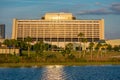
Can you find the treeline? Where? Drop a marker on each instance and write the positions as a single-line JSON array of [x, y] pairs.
[[44, 52]]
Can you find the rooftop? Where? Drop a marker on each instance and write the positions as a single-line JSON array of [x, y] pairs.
[[58, 16]]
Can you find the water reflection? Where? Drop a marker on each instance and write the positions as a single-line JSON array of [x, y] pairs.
[[54, 72]]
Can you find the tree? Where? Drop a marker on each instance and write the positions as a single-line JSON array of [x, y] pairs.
[[69, 46], [68, 49], [28, 40], [84, 40], [99, 47], [7, 43], [14, 44], [39, 47], [47, 46], [91, 45], [80, 35], [22, 45], [104, 46], [109, 48]]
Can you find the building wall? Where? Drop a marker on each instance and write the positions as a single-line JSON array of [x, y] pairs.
[[2, 31]]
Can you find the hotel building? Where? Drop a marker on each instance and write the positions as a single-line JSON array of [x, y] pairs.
[[58, 29]]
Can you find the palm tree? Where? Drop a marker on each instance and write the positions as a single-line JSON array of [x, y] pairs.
[[109, 47], [28, 40], [105, 46], [84, 40], [68, 49], [99, 47], [91, 45], [80, 35]]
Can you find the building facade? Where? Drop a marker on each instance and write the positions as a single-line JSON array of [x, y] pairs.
[[58, 29], [2, 31]]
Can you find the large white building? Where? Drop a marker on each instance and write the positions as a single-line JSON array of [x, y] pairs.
[[58, 29]]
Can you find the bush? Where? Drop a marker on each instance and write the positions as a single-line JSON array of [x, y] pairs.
[[50, 57], [116, 48], [71, 56]]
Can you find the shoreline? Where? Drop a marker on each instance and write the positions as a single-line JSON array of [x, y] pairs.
[[17, 65]]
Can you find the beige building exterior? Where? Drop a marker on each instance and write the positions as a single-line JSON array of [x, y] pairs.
[[9, 51], [58, 29]]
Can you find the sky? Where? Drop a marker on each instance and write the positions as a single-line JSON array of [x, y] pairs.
[[109, 10]]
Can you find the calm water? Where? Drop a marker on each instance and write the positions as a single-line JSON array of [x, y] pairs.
[[61, 73]]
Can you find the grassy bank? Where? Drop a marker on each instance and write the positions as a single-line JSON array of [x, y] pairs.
[[56, 58], [64, 64]]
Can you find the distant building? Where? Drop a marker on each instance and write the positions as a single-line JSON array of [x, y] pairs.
[[114, 42], [58, 29], [2, 31]]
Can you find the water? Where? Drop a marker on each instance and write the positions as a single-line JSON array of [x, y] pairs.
[[61, 73]]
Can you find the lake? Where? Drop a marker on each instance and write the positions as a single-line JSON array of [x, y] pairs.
[[59, 72]]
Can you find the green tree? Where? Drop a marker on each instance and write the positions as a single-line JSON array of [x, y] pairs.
[[47, 46], [69, 46], [68, 49], [28, 40], [22, 45], [80, 36], [109, 48], [39, 47], [104, 46], [99, 47], [84, 40], [91, 46], [7, 43], [14, 44]]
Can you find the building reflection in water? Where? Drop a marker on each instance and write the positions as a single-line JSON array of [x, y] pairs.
[[54, 72]]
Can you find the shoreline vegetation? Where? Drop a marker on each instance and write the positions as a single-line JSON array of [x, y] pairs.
[[34, 65], [49, 58], [43, 54]]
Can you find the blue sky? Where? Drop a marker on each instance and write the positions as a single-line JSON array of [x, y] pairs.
[[82, 9]]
